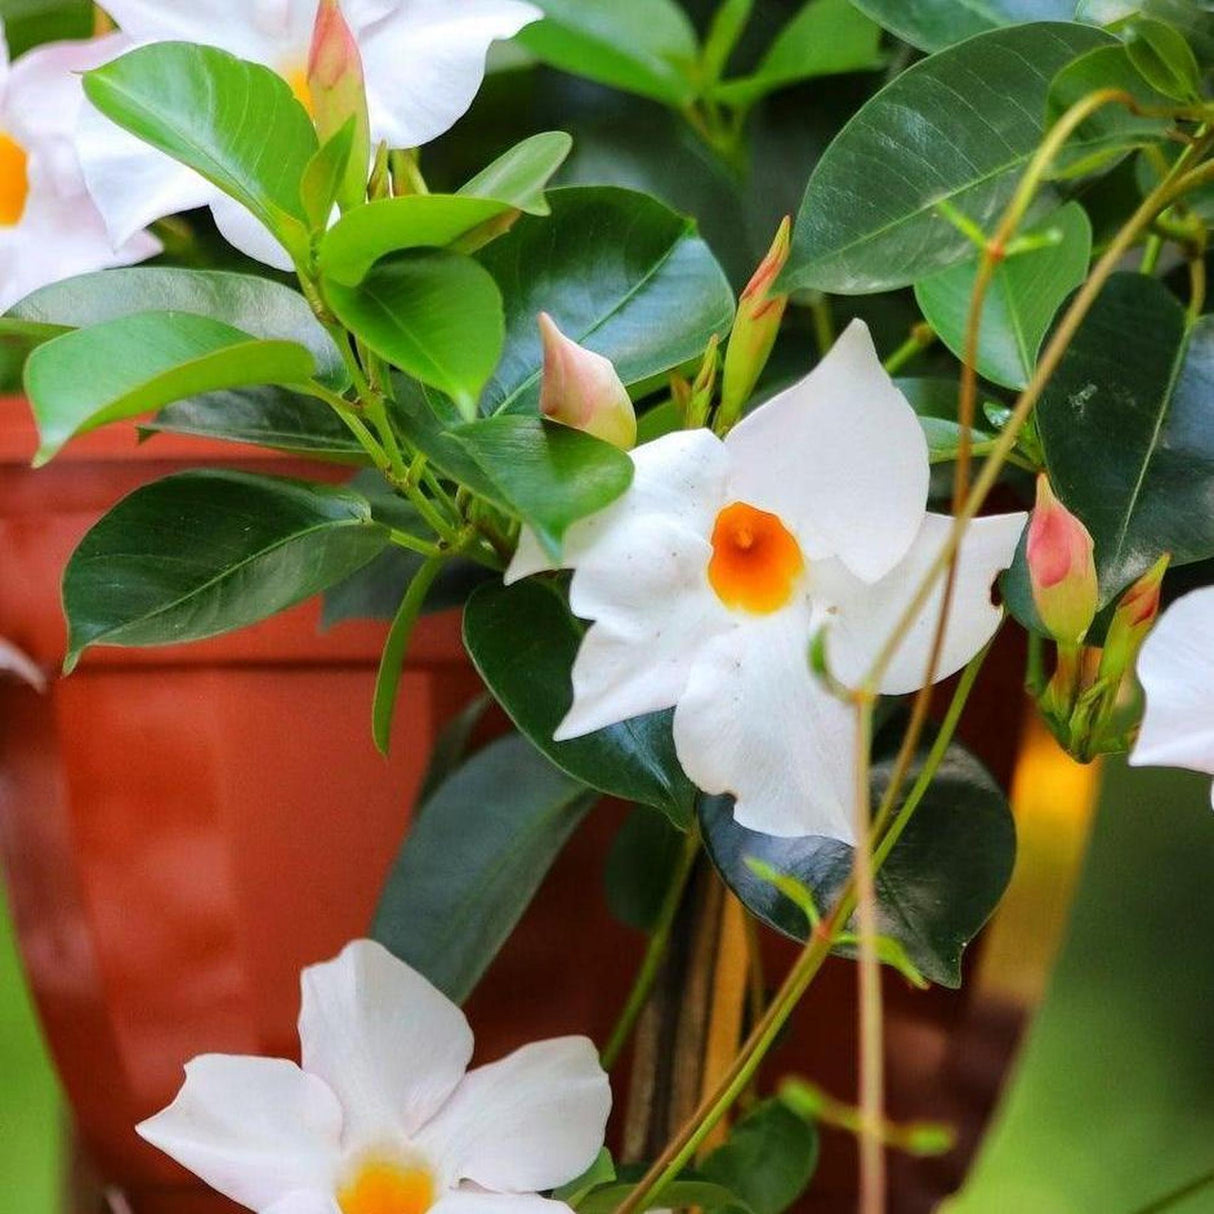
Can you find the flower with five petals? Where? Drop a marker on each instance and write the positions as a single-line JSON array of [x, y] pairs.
[[707, 582], [384, 1115]]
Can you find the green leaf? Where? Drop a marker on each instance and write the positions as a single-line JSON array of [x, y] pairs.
[[434, 314], [727, 25], [451, 747], [1127, 426], [1164, 58], [519, 175], [826, 38], [204, 552], [126, 367], [602, 1171], [641, 46], [523, 640], [620, 273], [678, 1195], [957, 127], [234, 122], [768, 1160], [941, 882], [256, 306], [362, 236], [935, 402], [641, 866], [473, 861], [324, 178], [1025, 294]]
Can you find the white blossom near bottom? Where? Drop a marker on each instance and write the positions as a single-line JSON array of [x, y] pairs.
[[49, 228], [709, 578], [384, 1117], [1176, 670]]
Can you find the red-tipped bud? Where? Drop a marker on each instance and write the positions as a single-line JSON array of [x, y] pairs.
[[755, 327], [336, 92], [1061, 568], [1134, 618], [581, 389]]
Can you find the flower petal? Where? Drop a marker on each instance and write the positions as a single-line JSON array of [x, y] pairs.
[[244, 231], [754, 722], [680, 477], [471, 1200], [534, 1120], [248, 28], [255, 1129], [1176, 669], [865, 616], [305, 1202], [388, 1043], [425, 60], [840, 457]]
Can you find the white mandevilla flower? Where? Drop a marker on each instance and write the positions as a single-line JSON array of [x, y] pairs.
[[424, 62], [49, 228], [384, 1116], [708, 579], [1176, 670]]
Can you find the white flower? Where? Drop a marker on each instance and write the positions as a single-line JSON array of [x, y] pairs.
[[49, 228], [709, 578], [384, 1115], [1176, 670], [424, 62]]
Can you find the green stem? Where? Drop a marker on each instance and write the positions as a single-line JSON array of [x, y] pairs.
[[655, 950], [1150, 253], [1170, 1200], [824, 323], [921, 337], [405, 539]]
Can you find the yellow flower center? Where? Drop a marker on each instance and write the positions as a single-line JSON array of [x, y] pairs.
[[386, 1188], [14, 181], [297, 78], [756, 563]]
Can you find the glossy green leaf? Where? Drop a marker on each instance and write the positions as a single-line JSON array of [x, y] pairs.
[[519, 175], [473, 861], [958, 127], [935, 402], [1164, 58], [205, 552], [826, 38], [620, 273], [262, 417], [126, 367], [1127, 425], [941, 882], [327, 175], [523, 640], [451, 748], [257, 306], [678, 1195], [642, 46], [234, 122], [1025, 294], [602, 1171], [641, 866], [768, 1159], [434, 314]]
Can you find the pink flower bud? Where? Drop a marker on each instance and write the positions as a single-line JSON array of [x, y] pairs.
[[755, 327], [1133, 620], [1061, 568], [581, 389], [336, 93]]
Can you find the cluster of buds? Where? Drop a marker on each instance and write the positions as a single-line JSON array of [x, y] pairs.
[[1081, 698]]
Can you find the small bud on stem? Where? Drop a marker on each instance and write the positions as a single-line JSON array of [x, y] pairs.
[[581, 389], [337, 93], [1062, 570]]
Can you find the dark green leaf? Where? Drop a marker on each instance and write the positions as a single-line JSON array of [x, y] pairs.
[[1127, 425], [1024, 295], [473, 861], [1164, 58], [679, 1195], [518, 176], [768, 1159], [826, 38], [451, 748], [234, 122], [942, 880], [254, 305], [602, 1171], [205, 552], [641, 46], [933, 24], [523, 640], [935, 403], [265, 417], [326, 176], [957, 127], [122, 368], [434, 314], [620, 273], [641, 866]]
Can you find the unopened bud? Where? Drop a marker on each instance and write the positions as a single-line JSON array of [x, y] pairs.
[[1062, 571], [704, 386], [755, 327], [1132, 621], [581, 389], [337, 93]]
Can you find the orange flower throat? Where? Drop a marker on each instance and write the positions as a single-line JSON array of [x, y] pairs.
[[14, 181], [756, 563], [384, 1188]]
